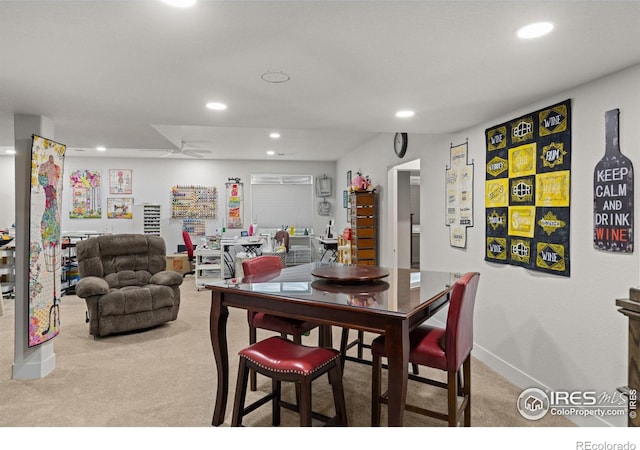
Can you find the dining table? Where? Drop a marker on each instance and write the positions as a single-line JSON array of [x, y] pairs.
[[389, 301]]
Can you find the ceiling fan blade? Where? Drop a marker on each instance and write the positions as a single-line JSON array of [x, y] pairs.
[[193, 154]]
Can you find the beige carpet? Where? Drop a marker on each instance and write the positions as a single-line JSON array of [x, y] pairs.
[[165, 377]]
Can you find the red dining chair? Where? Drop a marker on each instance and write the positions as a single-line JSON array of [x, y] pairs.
[[189, 246], [267, 264], [447, 349], [282, 360]]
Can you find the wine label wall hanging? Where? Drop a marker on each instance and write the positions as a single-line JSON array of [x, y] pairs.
[[527, 190], [459, 182], [613, 194]]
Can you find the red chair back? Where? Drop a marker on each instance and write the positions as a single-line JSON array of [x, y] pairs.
[[261, 264], [188, 244], [459, 333]]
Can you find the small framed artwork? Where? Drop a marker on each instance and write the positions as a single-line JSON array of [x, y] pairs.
[[244, 233], [349, 215], [119, 208], [348, 178], [120, 181], [345, 199]]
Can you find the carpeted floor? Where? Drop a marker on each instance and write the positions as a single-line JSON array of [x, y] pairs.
[[165, 377]]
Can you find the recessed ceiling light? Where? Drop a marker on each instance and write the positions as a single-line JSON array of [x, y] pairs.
[[10, 151], [274, 135], [180, 3], [101, 149], [405, 113], [535, 30], [270, 152], [216, 106]]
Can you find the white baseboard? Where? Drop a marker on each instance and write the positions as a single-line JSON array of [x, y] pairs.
[[524, 381]]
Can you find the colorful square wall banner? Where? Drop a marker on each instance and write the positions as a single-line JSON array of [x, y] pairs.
[[528, 190]]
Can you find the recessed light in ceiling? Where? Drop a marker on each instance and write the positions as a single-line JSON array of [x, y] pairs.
[[275, 77], [101, 149], [274, 135], [270, 152], [535, 30], [10, 151], [180, 3], [216, 106], [405, 113]]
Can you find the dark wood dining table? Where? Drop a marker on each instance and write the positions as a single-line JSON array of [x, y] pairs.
[[392, 305]]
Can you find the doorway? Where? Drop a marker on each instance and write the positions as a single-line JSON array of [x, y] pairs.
[[405, 214]]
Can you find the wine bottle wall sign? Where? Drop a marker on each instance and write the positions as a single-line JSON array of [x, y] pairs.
[[613, 194]]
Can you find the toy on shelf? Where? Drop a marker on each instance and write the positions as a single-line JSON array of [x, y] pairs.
[[361, 184]]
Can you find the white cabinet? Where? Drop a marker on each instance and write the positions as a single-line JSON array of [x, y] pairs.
[[146, 219], [209, 266]]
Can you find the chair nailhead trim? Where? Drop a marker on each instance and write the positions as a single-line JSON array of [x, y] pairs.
[[292, 371]]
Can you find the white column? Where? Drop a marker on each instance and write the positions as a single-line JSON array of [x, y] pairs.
[[36, 362]]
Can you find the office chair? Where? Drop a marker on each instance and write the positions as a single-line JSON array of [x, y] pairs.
[[189, 246], [285, 326], [447, 349]]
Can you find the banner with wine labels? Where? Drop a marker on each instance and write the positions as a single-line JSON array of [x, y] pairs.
[[613, 193], [527, 190]]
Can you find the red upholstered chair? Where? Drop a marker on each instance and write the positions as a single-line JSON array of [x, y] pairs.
[[189, 246], [283, 360], [270, 264], [447, 349]]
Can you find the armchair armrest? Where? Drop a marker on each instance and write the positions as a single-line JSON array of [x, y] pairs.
[[166, 278], [89, 286]]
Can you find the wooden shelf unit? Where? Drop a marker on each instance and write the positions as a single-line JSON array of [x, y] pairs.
[[364, 246]]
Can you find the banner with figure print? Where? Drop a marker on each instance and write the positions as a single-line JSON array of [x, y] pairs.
[[527, 190], [45, 250]]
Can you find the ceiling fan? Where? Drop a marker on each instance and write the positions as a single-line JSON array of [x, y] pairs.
[[187, 150]]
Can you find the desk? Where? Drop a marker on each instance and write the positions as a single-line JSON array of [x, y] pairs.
[[396, 305], [331, 247], [249, 245]]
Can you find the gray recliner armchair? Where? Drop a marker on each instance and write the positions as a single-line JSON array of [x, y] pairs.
[[125, 284]]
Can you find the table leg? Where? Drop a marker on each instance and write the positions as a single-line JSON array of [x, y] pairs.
[[218, 330], [397, 347]]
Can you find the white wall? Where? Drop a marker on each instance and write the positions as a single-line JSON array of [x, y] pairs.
[[376, 158], [538, 329], [152, 182], [7, 191], [535, 329]]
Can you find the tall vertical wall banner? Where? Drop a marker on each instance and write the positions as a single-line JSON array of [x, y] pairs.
[[527, 190], [234, 203], [45, 251], [459, 182]]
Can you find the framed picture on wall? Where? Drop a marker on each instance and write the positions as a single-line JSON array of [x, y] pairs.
[[345, 199], [348, 178], [120, 181], [119, 208]]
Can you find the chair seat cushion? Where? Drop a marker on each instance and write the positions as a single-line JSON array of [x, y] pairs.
[[280, 355], [134, 299], [426, 347], [280, 324]]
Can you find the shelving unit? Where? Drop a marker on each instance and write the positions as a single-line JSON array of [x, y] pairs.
[[147, 218], [209, 266], [299, 250], [363, 228], [7, 270]]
